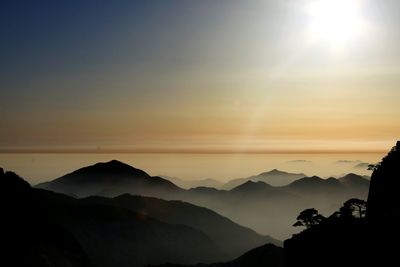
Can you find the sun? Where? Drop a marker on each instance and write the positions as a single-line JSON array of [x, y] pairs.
[[334, 22]]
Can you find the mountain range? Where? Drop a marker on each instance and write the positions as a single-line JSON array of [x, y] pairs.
[[274, 177], [254, 204], [231, 238], [122, 231], [187, 184]]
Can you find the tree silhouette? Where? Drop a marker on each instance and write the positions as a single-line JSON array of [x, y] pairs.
[[373, 167], [354, 208], [308, 218]]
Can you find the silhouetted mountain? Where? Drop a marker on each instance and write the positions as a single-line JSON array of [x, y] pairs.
[[187, 184], [383, 200], [257, 205], [334, 242], [343, 239], [51, 229], [254, 204], [354, 181], [267, 255], [314, 185], [269, 209], [110, 179], [260, 190], [230, 237], [115, 236], [251, 187], [350, 185], [30, 236], [273, 177]]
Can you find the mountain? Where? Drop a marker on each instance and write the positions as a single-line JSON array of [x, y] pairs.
[[273, 177], [187, 184], [260, 190], [115, 236], [30, 235], [254, 204], [350, 185], [110, 179], [230, 237], [314, 185], [383, 200], [353, 180], [371, 240], [267, 255], [271, 209], [44, 228], [251, 187]]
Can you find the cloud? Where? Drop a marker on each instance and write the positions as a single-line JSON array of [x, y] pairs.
[[348, 161], [299, 161]]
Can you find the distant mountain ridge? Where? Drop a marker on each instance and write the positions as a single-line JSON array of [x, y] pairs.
[[187, 184], [274, 177]]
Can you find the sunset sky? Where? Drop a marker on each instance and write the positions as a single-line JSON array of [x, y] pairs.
[[199, 76]]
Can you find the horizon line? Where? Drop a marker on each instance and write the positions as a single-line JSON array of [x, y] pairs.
[[186, 151]]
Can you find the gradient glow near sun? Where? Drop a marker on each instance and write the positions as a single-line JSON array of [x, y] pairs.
[[334, 22]]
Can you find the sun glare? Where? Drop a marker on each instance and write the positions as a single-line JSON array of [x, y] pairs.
[[335, 22]]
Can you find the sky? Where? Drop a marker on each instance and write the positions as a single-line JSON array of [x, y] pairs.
[[199, 76]]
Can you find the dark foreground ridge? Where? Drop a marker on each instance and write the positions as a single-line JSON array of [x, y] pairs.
[[343, 240], [267, 255]]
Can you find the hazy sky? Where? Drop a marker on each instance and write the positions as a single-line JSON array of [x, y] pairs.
[[205, 75]]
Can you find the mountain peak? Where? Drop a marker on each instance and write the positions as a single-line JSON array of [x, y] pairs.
[[112, 168], [274, 172], [251, 186], [109, 179], [353, 178]]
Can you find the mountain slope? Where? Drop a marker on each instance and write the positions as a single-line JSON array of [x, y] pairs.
[[51, 229], [274, 177], [187, 184], [30, 235], [114, 236], [110, 179], [258, 205], [356, 240], [267, 255], [232, 238]]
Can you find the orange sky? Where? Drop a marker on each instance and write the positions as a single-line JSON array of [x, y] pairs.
[[246, 79]]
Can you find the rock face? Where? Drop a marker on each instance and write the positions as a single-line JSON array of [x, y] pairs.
[[383, 200]]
